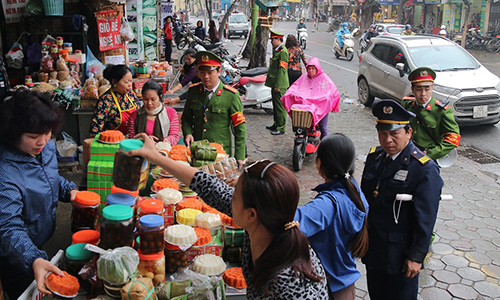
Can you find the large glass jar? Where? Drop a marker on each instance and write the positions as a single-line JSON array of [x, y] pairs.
[[85, 211], [76, 257], [122, 198], [117, 227], [151, 231], [176, 258], [130, 172], [152, 266], [87, 236], [151, 207]]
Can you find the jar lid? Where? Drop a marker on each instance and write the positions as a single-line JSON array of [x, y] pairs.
[[151, 220], [117, 212], [64, 51], [154, 256], [86, 236], [151, 205], [88, 198], [131, 144], [120, 198], [115, 189], [78, 252], [67, 44]]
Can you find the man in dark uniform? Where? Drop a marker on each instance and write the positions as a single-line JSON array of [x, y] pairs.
[[213, 110], [435, 130], [277, 80], [399, 231]]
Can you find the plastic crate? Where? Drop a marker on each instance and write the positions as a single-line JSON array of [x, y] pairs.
[[53, 7]]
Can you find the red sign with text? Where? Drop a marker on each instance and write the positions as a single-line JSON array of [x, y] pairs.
[[108, 28]]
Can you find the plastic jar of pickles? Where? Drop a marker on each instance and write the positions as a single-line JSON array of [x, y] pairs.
[[152, 266], [130, 172], [151, 207], [85, 211], [176, 258], [151, 231], [117, 227], [76, 257], [87, 236]]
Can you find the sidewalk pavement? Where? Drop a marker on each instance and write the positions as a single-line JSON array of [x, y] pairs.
[[464, 261]]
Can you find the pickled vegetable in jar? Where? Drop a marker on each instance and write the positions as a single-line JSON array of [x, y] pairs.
[[176, 258], [151, 231], [76, 257], [152, 266], [117, 227], [151, 207], [130, 172], [87, 236], [85, 211]]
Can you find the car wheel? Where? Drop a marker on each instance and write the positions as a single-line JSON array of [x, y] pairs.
[[364, 95]]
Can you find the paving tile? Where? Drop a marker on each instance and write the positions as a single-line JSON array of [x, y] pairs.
[[455, 224], [468, 204], [447, 234], [488, 233], [462, 291], [496, 242], [475, 223], [445, 276], [487, 289], [434, 293], [492, 271], [492, 221], [462, 214], [435, 264], [479, 258], [485, 245], [463, 245], [469, 234], [455, 261], [471, 274], [426, 280], [441, 248]]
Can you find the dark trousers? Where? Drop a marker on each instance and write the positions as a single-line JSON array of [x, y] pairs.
[[323, 126], [293, 75], [279, 111], [382, 286], [14, 279], [168, 50]]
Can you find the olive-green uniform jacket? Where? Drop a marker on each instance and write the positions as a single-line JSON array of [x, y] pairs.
[[214, 119], [435, 130], [277, 76]]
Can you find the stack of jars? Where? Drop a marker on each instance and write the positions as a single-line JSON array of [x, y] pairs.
[[151, 256], [130, 172]]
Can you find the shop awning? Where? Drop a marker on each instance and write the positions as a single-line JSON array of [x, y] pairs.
[[265, 4]]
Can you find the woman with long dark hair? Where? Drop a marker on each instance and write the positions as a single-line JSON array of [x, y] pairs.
[[187, 70], [212, 32], [296, 56], [335, 221], [277, 260]]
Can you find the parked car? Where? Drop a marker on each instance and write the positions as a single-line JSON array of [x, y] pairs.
[[237, 24], [470, 89], [390, 28]]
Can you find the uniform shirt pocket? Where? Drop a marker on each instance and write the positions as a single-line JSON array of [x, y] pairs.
[[396, 246], [219, 110], [430, 124]]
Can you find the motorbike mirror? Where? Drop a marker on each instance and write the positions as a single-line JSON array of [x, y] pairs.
[[355, 30], [400, 67]]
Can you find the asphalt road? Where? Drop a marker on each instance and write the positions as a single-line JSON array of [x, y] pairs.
[[344, 74]]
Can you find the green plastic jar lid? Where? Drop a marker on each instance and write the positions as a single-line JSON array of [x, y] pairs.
[[78, 252], [117, 212], [131, 144]]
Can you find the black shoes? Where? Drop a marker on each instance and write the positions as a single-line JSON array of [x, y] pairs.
[[277, 132], [272, 127]]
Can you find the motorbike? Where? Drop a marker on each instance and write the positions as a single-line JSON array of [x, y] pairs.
[[348, 50], [302, 32], [250, 84], [307, 138]]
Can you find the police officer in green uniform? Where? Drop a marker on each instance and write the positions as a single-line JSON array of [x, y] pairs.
[[213, 110], [435, 130], [399, 232], [277, 80]]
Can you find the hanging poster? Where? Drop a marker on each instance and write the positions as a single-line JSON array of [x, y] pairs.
[[13, 10], [108, 29]]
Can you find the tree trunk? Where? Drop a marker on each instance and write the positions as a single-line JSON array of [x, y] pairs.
[[401, 9], [208, 4], [466, 20], [258, 58], [222, 24]]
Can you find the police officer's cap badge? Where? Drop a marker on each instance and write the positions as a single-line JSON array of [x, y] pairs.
[[204, 58], [424, 73], [388, 110]]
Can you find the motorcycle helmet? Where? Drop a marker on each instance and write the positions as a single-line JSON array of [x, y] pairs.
[[408, 26], [442, 32], [345, 25], [373, 26], [443, 27]]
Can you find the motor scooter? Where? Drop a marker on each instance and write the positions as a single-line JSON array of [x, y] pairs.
[[253, 92], [307, 138], [302, 33], [348, 50]]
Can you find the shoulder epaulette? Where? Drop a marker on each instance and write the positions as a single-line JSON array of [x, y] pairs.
[[420, 156], [375, 149], [231, 89], [442, 105], [195, 84]]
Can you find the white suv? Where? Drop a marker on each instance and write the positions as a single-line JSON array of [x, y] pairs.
[[470, 89]]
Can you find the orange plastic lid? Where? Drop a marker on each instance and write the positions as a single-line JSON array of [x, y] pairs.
[[151, 206], [88, 198], [88, 236], [115, 189], [154, 256], [63, 51]]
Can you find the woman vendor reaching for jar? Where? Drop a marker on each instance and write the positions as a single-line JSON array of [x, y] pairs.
[[30, 188], [115, 106], [153, 118], [263, 203]]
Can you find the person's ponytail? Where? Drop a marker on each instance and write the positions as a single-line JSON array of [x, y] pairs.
[[359, 244]]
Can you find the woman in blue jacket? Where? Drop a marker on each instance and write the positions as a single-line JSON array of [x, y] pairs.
[[335, 221], [30, 187], [200, 31]]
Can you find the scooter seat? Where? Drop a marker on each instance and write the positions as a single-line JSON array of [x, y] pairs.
[[254, 72], [257, 79], [212, 46]]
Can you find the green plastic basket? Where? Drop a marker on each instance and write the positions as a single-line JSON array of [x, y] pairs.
[[53, 7]]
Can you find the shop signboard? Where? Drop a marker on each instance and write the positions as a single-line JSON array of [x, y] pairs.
[[432, 1], [108, 29], [13, 10], [483, 15], [388, 2]]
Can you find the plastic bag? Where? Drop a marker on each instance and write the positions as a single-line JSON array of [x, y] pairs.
[[126, 31], [169, 196], [67, 146], [93, 65], [115, 266], [91, 89], [15, 56], [34, 8]]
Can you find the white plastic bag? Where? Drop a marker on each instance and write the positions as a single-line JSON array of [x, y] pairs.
[[126, 31], [67, 146], [15, 56], [115, 266]]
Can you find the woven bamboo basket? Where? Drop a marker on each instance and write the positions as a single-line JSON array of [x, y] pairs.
[[301, 118]]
